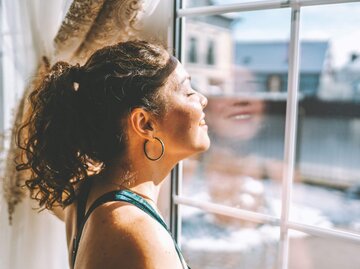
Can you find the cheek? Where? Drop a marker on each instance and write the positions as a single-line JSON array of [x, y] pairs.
[[183, 122]]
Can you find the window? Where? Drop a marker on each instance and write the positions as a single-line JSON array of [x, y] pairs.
[[279, 187], [193, 54], [210, 55], [274, 83]]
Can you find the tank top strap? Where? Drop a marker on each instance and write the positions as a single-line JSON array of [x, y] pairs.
[[129, 197]]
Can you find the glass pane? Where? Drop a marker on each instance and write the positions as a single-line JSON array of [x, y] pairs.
[[212, 241], [328, 148], [244, 78], [310, 252]]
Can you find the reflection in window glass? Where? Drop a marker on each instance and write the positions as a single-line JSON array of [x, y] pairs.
[[274, 83], [244, 165], [328, 155], [268, 63], [212, 241], [247, 90], [310, 252]]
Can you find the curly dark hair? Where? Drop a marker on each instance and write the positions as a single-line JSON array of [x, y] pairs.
[[76, 119]]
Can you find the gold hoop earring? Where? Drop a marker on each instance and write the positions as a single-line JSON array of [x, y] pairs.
[[162, 149]]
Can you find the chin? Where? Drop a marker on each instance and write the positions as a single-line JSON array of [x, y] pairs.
[[196, 148], [207, 145], [204, 146]]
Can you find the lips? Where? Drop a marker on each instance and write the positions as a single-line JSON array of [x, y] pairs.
[[240, 116], [202, 122]]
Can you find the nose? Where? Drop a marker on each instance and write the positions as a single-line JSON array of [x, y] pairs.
[[203, 100]]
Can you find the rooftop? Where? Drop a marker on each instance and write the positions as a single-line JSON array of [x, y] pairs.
[[272, 56]]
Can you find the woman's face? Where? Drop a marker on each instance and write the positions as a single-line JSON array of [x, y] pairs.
[[235, 117], [183, 127]]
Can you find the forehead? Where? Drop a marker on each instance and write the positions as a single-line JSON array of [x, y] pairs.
[[180, 72], [177, 77]]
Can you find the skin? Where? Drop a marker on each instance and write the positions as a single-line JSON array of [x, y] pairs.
[[117, 234], [240, 115]]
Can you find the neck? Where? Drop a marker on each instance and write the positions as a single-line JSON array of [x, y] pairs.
[[142, 176]]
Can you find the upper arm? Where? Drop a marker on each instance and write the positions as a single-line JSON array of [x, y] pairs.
[[129, 239]]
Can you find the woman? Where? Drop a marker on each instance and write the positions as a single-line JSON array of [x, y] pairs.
[[99, 142]]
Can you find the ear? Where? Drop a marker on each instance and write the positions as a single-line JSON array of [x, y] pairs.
[[142, 123]]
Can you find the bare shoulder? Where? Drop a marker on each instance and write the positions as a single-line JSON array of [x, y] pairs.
[[120, 235], [58, 212]]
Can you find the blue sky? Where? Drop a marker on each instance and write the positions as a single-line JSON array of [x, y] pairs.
[[337, 23]]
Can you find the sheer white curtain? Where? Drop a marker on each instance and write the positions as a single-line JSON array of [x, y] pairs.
[[34, 240]]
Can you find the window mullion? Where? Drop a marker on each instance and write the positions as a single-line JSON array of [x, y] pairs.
[[229, 211], [253, 6], [176, 173], [220, 9], [290, 136], [324, 232]]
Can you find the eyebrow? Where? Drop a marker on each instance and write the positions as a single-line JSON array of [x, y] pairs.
[[185, 78]]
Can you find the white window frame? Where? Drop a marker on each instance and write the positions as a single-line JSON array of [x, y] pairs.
[[180, 15]]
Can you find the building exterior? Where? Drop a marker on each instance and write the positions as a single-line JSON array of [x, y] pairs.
[[209, 53], [266, 64]]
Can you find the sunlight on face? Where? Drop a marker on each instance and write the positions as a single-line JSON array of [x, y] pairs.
[[184, 124]]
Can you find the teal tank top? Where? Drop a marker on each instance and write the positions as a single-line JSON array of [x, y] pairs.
[[124, 196]]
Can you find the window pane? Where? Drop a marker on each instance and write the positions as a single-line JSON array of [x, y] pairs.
[[328, 152], [310, 252], [212, 241], [245, 82]]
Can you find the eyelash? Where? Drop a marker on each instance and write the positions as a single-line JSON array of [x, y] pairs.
[[189, 94]]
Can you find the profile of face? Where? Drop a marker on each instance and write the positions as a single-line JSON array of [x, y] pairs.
[[183, 127], [235, 117]]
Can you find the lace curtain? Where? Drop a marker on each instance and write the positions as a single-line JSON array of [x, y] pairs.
[[60, 30]]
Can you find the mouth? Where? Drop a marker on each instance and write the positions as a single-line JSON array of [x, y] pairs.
[[240, 117], [202, 121]]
